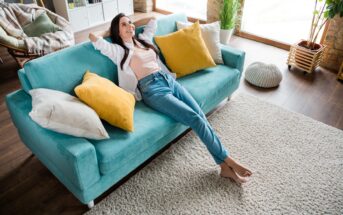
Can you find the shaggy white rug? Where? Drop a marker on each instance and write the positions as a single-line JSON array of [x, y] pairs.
[[297, 166]]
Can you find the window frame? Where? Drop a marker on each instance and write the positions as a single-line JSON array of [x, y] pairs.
[[247, 35]]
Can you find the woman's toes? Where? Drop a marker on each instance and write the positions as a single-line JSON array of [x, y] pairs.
[[247, 173], [228, 172], [242, 180], [237, 167], [242, 171]]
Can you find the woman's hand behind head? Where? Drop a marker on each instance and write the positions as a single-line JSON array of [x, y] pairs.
[[96, 35], [93, 37]]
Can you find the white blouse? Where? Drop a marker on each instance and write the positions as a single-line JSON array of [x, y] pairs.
[[126, 77]]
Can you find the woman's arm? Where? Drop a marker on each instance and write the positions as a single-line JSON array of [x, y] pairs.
[[98, 34], [149, 29], [143, 21], [106, 48]]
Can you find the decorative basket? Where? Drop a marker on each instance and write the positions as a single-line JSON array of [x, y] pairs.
[[304, 59], [340, 73]]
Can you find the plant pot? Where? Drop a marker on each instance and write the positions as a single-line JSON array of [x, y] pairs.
[[304, 58], [225, 35]]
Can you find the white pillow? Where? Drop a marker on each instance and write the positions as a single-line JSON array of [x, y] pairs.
[[66, 114], [211, 35]]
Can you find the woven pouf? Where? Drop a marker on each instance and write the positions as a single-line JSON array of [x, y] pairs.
[[263, 75]]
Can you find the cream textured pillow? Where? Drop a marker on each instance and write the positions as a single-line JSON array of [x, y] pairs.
[[211, 35], [66, 114]]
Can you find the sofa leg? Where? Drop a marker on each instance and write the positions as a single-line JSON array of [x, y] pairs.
[[90, 204]]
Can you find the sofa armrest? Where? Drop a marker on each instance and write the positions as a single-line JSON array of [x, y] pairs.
[[233, 57], [71, 159]]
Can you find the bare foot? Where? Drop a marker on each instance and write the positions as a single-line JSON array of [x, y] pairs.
[[238, 168], [227, 172]]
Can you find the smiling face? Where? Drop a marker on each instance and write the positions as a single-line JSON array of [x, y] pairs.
[[126, 29]]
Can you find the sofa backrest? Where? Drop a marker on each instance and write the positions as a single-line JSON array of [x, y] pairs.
[[167, 24], [64, 69]]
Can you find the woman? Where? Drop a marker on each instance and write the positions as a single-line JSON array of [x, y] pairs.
[[141, 73]]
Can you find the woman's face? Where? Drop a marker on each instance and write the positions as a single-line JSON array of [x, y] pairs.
[[126, 29]]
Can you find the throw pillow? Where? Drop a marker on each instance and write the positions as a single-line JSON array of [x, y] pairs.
[[211, 35], [112, 103], [41, 25], [66, 114], [185, 51]]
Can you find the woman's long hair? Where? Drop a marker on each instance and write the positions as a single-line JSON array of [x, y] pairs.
[[114, 34]]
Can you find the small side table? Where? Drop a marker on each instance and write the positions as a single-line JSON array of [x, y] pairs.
[[340, 73]]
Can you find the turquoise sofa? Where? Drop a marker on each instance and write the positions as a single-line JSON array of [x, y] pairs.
[[88, 167]]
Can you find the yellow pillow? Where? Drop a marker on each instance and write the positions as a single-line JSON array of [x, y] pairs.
[[110, 102], [185, 51]]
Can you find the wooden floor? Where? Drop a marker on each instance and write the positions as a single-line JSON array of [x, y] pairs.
[[27, 187]]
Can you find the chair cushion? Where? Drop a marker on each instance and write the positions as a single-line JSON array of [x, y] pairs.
[[209, 87], [185, 51], [110, 102], [41, 25]]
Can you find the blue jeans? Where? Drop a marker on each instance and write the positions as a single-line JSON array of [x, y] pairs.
[[161, 92]]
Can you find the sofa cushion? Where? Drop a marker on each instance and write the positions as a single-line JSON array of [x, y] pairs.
[[185, 51], [63, 113], [209, 87], [211, 35], [112, 103], [52, 70], [165, 25], [150, 126]]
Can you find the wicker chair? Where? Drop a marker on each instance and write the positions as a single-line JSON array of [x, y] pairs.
[[16, 47]]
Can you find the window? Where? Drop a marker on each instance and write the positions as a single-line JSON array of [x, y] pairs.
[[195, 9], [278, 20]]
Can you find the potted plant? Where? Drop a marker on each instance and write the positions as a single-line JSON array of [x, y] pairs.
[[306, 54], [228, 16]]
